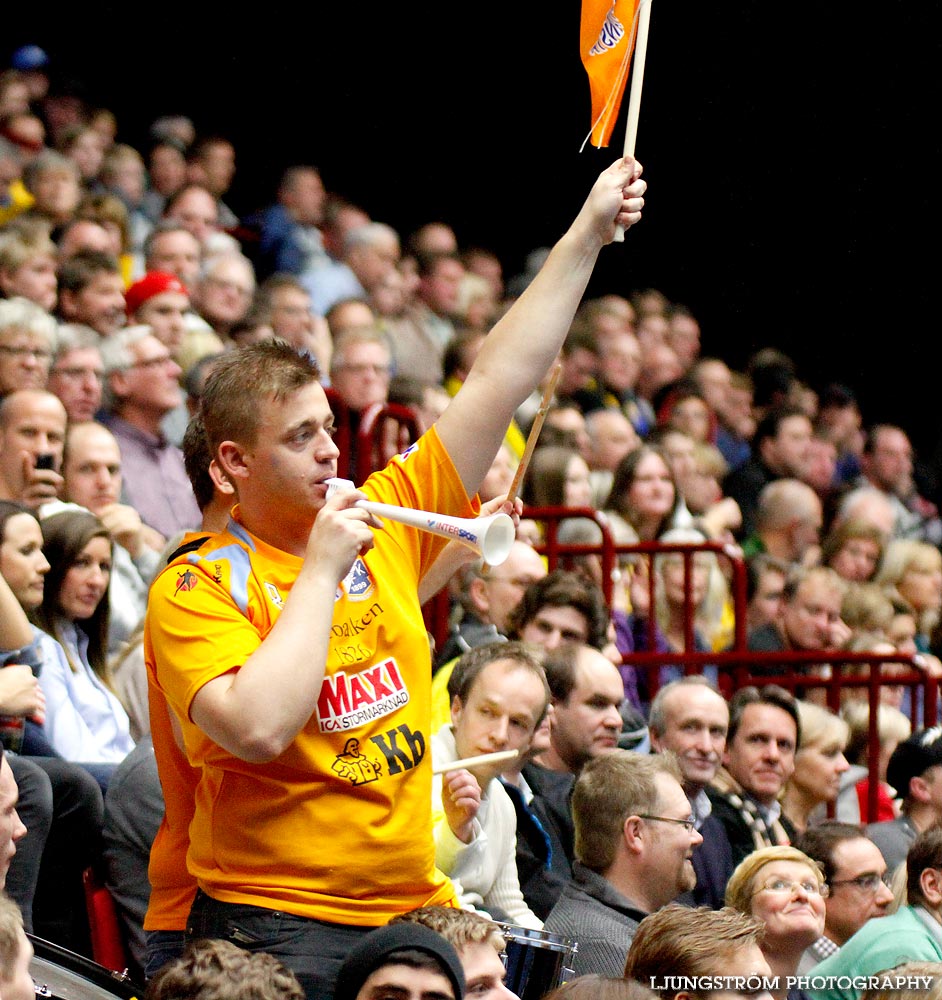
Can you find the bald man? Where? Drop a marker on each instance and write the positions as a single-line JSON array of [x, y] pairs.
[[32, 436], [788, 522]]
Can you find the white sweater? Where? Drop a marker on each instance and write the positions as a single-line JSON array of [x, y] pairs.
[[484, 872]]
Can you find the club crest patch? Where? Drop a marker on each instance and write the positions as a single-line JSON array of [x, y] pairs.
[[355, 766], [358, 583], [186, 581]]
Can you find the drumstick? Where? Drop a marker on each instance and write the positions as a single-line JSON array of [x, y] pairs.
[[531, 440], [535, 431], [472, 761]]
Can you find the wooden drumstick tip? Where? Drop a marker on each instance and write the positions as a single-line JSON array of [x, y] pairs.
[[484, 758]]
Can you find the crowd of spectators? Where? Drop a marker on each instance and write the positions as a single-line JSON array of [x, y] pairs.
[[124, 274]]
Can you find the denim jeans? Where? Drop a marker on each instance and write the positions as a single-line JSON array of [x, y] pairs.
[[162, 947], [312, 949]]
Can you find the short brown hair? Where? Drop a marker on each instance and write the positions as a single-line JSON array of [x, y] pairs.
[[563, 589], [608, 790], [468, 668], [770, 694], [460, 928], [218, 970], [271, 368], [689, 942]]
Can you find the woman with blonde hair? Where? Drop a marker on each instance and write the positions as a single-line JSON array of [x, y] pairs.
[[893, 728], [913, 571], [786, 890], [819, 765], [707, 588]]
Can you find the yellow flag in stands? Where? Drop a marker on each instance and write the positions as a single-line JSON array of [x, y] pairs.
[[606, 42]]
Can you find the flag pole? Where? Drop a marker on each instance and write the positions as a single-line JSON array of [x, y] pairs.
[[637, 81]]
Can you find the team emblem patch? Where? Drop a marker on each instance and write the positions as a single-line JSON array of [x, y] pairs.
[[185, 581], [358, 583], [356, 767]]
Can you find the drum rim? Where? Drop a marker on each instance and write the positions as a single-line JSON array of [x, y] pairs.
[[116, 983], [539, 938]]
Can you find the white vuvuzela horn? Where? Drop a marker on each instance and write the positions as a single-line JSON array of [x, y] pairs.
[[491, 537]]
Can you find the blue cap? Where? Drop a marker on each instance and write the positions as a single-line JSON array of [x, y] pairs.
[[29, 57]]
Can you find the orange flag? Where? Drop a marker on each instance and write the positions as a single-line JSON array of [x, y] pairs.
[[606, 42]]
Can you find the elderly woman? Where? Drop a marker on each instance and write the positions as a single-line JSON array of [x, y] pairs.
[[27, 341], [784, 889], [819, 764]]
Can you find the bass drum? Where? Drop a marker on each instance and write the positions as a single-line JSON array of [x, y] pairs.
[[58, 972]]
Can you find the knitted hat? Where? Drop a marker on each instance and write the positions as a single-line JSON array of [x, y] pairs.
[[153, 283], [372, 951]]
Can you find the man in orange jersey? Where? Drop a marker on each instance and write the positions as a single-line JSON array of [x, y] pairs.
[[291, 647]]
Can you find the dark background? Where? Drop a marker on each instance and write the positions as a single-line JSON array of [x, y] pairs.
[[792, 151]]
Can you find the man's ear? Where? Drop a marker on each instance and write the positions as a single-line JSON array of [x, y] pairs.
[[919, 788], [118, 384], [478, 594], [632, 833], [220, 479], [930, 885], [230, 457], [66, 303], [456, 710]]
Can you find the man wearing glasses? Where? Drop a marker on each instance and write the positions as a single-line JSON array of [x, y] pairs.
[[635, 836], [141, 389], [912, 934], [857, 876]]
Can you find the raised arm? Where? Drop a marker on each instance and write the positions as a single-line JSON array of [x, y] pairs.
[[520, 349]]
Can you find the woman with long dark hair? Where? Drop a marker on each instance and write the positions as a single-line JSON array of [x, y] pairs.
[[85, 721], [644, 494]]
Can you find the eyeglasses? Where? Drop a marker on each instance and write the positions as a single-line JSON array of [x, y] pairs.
[[79, 373], [515, 581], [869, 882], [780, 886], [688, 824], [39, 353], [231, 286], [159, 362]]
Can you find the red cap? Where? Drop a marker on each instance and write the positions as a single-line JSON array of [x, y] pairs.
[[153, 283]]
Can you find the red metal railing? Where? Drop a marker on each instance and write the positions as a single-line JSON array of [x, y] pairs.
[[737, 664]]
